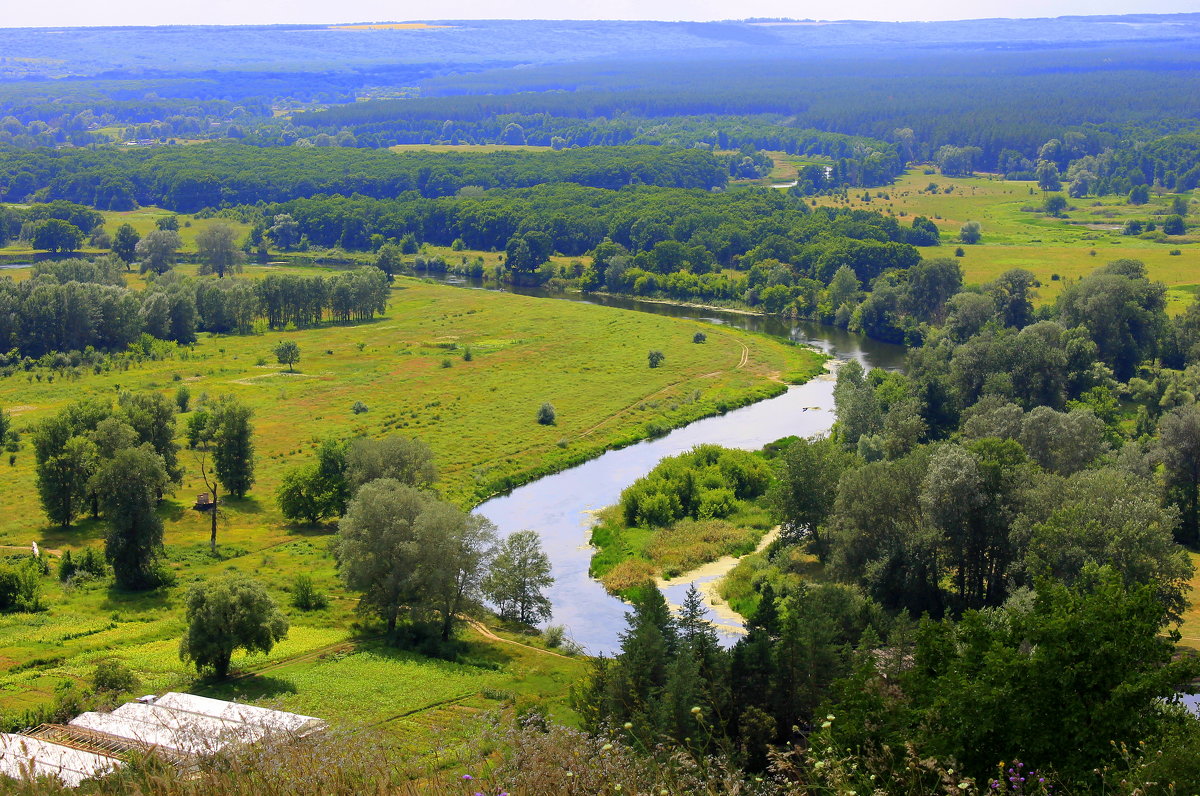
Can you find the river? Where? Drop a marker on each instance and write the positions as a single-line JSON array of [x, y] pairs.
[[560, 506]]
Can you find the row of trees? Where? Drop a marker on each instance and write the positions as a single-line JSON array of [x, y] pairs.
[[72, 305]]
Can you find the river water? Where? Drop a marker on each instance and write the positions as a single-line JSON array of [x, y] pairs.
[[560, 506]]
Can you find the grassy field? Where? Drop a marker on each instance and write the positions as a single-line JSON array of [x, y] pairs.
[[1016, 234], [143, 219], [409, 369]]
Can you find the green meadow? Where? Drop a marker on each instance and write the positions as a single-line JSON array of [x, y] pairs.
[[1017, 234], [412, 370]]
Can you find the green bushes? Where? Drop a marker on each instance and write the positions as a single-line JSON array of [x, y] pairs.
[[19, 585], [705, 483]]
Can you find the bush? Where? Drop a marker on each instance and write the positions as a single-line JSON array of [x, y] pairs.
[[699, 337], [358, 408], [656, 358], [546, 415], [306, 597], [554, 635], [1175, 252], [960, 252], [467, 355], [183, 397], [20, 587], [111, 676]]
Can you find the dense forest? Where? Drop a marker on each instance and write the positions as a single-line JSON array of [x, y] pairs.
[[188, 179]]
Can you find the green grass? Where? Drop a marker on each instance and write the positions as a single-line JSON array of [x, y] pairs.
[[478, 416], [1014, 237], [144, 220], [627, 555]]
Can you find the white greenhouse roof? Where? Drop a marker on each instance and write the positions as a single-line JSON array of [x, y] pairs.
[[21, 755], [274, 720], [177, 723]]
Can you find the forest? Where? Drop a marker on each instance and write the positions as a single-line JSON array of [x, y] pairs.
[[296, 321]]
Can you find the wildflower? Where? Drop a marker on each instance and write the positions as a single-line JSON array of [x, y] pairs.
[[695, 710], [825, 725], [829, 717], [964, 785], [819, 764], [617, 786], [570, 773], [467, 777], [662, 792], [629, 725], [606, 747]]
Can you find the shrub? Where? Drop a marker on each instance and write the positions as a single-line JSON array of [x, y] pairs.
[[1175, 252], [19, 587], [970, 233], [111, 676], [554, 635], [656, 358], [306, 597], [358, 408], [546, 415], [467, 355], [447, 363], [960, 252], [183, 397], [699, 337]]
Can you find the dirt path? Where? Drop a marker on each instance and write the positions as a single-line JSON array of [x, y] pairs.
[[486, 632]]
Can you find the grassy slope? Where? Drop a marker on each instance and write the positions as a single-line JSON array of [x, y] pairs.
[[478, 416], [1043, 245]]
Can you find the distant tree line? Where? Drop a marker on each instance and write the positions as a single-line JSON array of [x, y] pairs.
[[187, 179], [76, 304]]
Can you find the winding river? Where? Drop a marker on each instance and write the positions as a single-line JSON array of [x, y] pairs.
[[559, 506]]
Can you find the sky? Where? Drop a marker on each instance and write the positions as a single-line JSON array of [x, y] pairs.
[[241, 12]]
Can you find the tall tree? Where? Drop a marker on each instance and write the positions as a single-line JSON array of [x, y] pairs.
[[218, 249], [377, 547], [517, 575], [128, 486], [233, 444], [1179, 432], [231, 613], [124, 243], [156, 251], [454, 549], [805, 488], [409, 461]]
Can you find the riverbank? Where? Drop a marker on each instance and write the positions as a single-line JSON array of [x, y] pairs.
[[707, 579]]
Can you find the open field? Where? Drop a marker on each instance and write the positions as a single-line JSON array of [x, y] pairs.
[[1013, 237], [143, 220], [409, 369]]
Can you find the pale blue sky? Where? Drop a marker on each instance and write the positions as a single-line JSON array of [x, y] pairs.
[[232, 12]]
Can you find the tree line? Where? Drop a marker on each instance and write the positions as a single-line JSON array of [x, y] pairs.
[[188, 179], [76, 304]]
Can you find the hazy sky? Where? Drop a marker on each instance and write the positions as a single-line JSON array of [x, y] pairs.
[[233, 12]]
